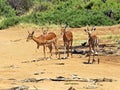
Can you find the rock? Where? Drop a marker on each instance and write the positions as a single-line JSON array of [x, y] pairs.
[[60, 63], [33, 80], [76, 51], [30, 80], [36, 73], [19, 88]]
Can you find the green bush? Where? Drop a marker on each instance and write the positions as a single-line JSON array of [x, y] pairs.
[[117, 15], [9, 22], [76, 13], [5, 9]]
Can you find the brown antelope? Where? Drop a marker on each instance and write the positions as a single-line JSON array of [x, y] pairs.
[[93, 43], [45, 41], [67, 39]]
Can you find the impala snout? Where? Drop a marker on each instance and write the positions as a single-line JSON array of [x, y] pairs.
[[29, 37], [27, 40]]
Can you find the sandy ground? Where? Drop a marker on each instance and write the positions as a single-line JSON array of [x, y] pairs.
[[15, 51]]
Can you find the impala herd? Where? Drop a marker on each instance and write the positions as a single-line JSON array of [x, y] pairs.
[[49, 39]]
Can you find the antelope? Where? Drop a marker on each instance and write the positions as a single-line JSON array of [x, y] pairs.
[[67, 40], [46, 41], [93, 43]]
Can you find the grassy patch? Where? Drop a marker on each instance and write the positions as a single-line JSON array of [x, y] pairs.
[[115, 38]]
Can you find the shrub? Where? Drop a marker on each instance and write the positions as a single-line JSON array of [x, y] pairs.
[[5, 9], [9, 22], [76, 13]]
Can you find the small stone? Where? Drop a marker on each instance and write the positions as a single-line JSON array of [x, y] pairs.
[[19, 88], [36, 73]]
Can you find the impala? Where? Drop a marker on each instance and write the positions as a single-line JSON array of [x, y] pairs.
[[46, 41], [93, 43], [67, 40]]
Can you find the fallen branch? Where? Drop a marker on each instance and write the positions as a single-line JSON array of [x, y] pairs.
[[60, 78], [83, 79]]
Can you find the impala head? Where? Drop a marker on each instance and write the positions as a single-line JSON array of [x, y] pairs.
[[63, 29], [89, 31], [45, 30], [30, 35]]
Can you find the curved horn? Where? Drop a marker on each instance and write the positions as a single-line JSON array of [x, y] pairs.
[[32, 32], [66, 25], [93, 28], [42, 29], [87, 27], [47, 28]]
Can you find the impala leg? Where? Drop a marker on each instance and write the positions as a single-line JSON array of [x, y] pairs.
[[98, 60], [65, 46], [56, 49], [90, 52], [97, 54], [37, 48], [46, 52], [44, 47], [93, 58], [50, 50], [89, 57], [58, 53], [71, 47], [93, 49], [68, 50]]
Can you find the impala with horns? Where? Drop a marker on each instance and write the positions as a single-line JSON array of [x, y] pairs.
[[67, 40], [45, 41], [93, 43]]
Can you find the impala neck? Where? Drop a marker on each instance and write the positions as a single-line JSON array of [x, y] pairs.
[[89, 35], [35, 39]]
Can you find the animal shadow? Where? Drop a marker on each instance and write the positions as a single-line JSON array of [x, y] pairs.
[[86, 63]]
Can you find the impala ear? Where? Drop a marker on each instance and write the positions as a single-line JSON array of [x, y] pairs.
[[66, 25], [93, 28], [32, 32], [88, 27], [85, 30]]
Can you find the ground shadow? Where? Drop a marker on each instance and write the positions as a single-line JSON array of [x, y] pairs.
[[86, 63]]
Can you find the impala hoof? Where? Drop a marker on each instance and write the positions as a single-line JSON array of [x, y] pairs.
[[64, 58], [93, 61]]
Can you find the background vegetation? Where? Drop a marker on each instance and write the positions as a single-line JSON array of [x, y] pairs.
[[76, 13]]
